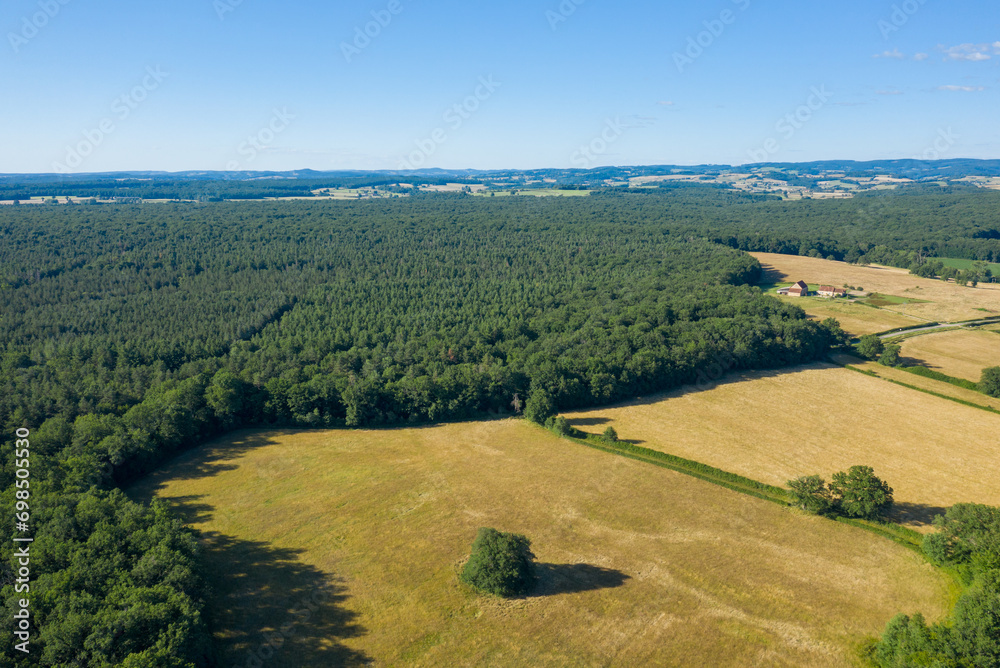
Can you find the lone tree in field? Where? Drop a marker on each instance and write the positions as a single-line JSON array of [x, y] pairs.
[[870, 347], [810, 493], [860, 493], [500, 564], [890, 355], [610, 435], [989, 383]]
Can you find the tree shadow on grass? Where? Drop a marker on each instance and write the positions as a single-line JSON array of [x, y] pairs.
[[270, 610], [265, 607], [588, 422], [188, 508], [906, 360], [210, 459], [590, 437], [553, 579], [920, 514]]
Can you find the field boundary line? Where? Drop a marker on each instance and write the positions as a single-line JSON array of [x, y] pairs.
[[732, 481], [924, 372], [872, 374]]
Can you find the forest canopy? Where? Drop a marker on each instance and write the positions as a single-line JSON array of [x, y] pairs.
[[130, 332]]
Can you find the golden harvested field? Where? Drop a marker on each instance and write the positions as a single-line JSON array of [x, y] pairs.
[[960, 353], [938, 386], [774, 426], [948, 302], [638, 565]]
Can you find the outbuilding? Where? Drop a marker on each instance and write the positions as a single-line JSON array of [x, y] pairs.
[[800, 289], [830, 291]]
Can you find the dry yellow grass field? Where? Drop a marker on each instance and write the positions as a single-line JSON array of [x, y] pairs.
[[947, 302], [820, 419], [937, 386], [960, 353], [639, 565]]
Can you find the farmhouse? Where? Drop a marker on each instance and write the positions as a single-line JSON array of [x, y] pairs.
[[800, 289], [830, 291]]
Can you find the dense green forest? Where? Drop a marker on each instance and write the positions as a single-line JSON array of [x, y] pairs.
[[130, 332], [894, 227]]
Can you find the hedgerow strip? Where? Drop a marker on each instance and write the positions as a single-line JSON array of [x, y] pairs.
[[937, 375]]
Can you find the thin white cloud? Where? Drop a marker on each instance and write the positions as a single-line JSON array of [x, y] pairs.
[[921, 56], [665, 103], [970, 52], [635, 121], [962, 89], [888, 92], [895, 53]]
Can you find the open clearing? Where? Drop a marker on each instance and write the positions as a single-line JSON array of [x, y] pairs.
[[638, 565], [945, 302], [958, 263], [960, 353], [821, 419]]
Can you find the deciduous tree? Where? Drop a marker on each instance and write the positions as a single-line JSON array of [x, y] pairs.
[[500, 563], [858, 492]]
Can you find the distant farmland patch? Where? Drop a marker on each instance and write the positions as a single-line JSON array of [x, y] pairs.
[[960, 353], [927, 299], [638, 565]]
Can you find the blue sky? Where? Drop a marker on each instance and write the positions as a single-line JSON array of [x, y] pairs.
[[101, 85]]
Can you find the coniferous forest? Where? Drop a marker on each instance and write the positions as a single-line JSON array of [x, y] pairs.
[[131, 332]]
